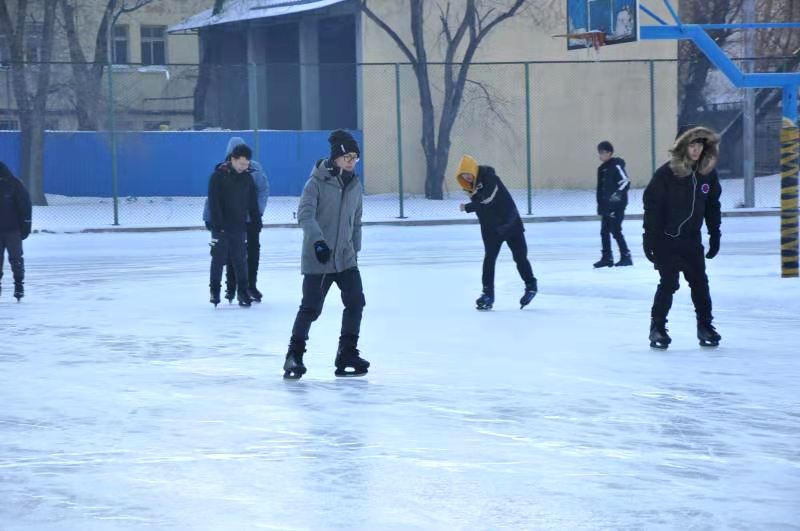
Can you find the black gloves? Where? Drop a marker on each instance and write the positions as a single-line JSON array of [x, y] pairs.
[[322, 251], [713, 245], [26, 230], [649, 247]]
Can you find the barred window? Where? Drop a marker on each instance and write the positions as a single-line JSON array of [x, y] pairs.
[[154, 45]]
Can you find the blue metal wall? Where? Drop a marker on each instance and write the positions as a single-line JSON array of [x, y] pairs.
[[168, 163]]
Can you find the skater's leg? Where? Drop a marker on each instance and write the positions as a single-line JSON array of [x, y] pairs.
[[2, 252], [605, 235], [491, 246], [667, 286], [238, 254], [253, 253], [519, 250], [230, 278], [15, 260], [219, 255], [315, 289], [695, 274], [349, 283], [616, 231]]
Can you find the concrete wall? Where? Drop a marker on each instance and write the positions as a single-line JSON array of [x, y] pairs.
[[574, 106]]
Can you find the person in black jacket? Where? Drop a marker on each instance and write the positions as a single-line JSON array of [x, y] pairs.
[[681, 195], [15, 226], [232, 202], [612, 198], [500, 222]]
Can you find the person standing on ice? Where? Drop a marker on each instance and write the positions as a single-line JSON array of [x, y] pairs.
[[612, 198], [253, 229], [232, 203], [15, 226], [330, 216], [500, 222], [682, 193]]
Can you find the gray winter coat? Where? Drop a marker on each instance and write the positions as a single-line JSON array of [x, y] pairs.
[[332, 214]]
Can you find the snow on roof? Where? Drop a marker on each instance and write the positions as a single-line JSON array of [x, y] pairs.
[[238, 10]]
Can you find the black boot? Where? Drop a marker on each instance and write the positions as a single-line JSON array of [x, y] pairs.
[[531, 288], [349, 357], [658, 334], [230, 294], [19, 289], [293, 368], [244, 299], [214, 295], [486, 300], [254, 293], [624, 260], [707, 334], [607, 260]]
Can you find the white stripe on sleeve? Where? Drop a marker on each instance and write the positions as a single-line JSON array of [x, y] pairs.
[[625, 181]]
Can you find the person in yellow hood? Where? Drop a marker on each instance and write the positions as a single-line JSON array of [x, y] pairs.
[[500, 222]]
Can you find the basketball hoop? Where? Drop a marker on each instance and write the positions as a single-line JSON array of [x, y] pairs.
[[592, 39]]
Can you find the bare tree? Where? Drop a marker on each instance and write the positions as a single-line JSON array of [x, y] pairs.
[[31, 84], [462, 35], [88, 76]]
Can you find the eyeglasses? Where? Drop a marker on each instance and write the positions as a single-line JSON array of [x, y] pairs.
[[350, 157]]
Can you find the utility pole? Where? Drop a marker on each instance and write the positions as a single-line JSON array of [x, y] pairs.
[[749, 110]]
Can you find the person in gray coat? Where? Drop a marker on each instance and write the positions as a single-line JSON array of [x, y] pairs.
[[330, 216], [253, 229]]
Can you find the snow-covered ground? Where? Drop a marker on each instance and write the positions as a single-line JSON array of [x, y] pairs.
[[129, 402], [65, 214]]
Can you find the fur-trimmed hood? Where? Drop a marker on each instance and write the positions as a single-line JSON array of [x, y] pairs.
[[682, 165]]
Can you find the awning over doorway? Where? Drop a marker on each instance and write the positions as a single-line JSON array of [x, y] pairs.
[[239, 10]]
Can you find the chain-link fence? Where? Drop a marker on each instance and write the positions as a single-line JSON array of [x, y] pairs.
[[135, 149]]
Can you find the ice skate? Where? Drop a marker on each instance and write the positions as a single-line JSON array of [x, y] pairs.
[[350, 363], [214, 299], [19, 290], [707, 334], [606, 261], [485, 301], [658, 335], [624, 260], [293, 368], [531, 288]]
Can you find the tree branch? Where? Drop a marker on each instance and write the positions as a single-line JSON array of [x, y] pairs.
[[389, 31]]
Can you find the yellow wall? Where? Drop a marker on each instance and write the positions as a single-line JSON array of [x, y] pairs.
[[573, 106]]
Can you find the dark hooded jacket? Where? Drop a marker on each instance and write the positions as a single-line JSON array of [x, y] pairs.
[[232, 199], [15, 203], [491, 201], [683, 193], [612, 186]]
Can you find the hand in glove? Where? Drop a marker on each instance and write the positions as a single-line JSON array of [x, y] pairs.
[[649, 247], [322, 251], [713, 245], [26, 230]]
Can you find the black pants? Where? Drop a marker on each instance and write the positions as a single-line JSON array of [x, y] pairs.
[[611, 225], [229, 245], [253, 258], [11, 241], [674, 256], [315, 289], [519, 250]]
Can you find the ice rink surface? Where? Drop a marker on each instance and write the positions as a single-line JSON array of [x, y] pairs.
[[129, 402]]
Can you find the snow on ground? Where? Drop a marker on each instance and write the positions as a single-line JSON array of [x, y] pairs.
[[66, 214], [129, 402]]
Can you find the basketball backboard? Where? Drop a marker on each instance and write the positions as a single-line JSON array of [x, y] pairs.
[[617, 19]]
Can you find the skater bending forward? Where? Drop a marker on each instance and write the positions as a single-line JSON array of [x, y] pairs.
[[500, 222], [682, 193], [330, 216]]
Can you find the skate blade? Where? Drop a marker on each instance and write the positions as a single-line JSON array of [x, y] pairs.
[[293, 375], [659, 346], [342, 373], [709, 344], [483, 308]]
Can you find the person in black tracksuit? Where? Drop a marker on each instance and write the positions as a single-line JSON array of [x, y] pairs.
[[681, 195], [15, 226], [500, 222], [612, 198], [232, 203]]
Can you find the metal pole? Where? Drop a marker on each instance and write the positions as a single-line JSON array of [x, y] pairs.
[[399, 138], [749, 112], [111, 122], [252, 92], [528, 135], [790, 154], [652, 118]]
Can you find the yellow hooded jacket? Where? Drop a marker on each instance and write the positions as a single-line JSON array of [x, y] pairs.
[[467, 165]]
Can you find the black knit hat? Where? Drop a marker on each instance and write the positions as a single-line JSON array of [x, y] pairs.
[[342, 143]]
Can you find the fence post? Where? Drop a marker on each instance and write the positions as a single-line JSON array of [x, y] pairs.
[[652, 118], [528, 134], [399, 138], [252, 90], [112, 124]]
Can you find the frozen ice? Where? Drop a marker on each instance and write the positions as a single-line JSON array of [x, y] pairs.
[[129, 402]]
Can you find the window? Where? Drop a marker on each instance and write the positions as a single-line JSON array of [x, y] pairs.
[[8, 124], [154, 45], [119, 45]]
